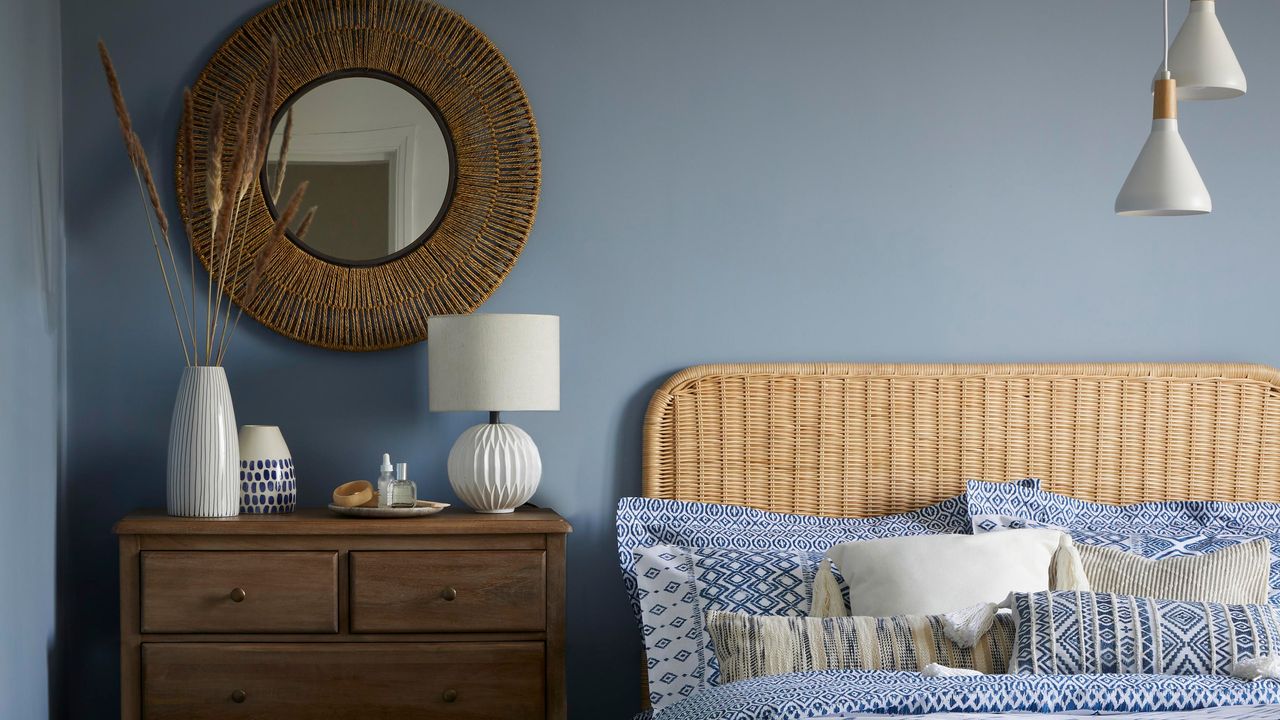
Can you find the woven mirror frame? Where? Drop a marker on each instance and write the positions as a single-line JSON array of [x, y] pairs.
[[454, 269]]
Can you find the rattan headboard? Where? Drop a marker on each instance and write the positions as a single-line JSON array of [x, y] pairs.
[[850, 440]]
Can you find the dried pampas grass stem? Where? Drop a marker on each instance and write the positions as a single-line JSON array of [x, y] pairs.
[[277, 235], [234, 187], [305, 225], [189, 194], [117, 101], [143, 171], [213, 196], [164, 274], [148, 194], [284, 158], [224, 193]]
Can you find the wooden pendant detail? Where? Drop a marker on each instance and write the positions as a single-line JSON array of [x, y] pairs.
[[1166, 100]]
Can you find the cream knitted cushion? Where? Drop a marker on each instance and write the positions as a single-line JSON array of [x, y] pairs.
[[1235, 574], [750, 646]]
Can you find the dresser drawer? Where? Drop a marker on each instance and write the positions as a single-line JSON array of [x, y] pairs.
[[360, 681], [448, 591], [239, 592]]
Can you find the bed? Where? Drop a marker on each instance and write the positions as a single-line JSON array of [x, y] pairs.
[[843, 440]]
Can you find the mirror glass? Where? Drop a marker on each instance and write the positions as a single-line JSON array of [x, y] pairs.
[[378, 161]]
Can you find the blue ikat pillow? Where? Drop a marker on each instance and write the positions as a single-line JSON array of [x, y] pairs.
[[1072, 633], [1151, 529]]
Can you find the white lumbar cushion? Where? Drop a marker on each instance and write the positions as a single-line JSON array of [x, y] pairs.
[[938, 574]]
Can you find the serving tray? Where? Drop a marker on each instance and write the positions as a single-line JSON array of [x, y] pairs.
[[424, 507]]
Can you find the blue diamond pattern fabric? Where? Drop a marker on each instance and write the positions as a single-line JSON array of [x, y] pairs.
[[680, 585], [646, 522], [1153, 530], [1068, 632], [853, 693], [680, 559]]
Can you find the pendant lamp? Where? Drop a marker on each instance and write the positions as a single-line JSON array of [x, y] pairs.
[[1203, 62], [1164, 179]]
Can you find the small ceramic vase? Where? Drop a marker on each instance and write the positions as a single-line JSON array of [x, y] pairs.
[[267, 480], [201, 472]]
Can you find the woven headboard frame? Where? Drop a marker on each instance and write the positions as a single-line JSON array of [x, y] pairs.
[[857, 440]]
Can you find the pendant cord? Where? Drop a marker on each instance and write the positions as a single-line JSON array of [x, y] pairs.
[[1166, 36]]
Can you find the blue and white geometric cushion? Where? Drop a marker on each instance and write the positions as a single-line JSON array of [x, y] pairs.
[[1068, 632], [677, 586]]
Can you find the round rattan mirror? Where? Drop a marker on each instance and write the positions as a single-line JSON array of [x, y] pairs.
[[376, 155], [420, 150]]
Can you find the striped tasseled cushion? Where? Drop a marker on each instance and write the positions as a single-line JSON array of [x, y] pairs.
[[1066, 633], [750, 646], [1235, 574]]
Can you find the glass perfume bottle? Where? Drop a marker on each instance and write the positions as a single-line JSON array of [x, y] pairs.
[[402, 491]]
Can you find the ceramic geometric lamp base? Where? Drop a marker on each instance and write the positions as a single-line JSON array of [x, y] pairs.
[[494, 467]]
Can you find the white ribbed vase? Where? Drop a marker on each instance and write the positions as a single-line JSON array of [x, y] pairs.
[[204, 452], [495, 467]]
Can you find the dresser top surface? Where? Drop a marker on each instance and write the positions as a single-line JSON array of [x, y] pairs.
[[322, 521]]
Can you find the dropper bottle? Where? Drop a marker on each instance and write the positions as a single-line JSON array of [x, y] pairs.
[[385, 478]]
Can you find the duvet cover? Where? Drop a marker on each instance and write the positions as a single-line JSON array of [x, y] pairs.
[[849, 694]]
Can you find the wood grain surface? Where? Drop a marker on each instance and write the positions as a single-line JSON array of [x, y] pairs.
[[343, 681], [452, 591], [224, 592]]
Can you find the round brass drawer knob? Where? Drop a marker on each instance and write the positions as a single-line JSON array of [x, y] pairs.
[[449, 595], [449, 695], [237, 595], [238, 696]]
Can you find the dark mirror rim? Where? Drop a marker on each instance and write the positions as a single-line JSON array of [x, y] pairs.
[[431, 107]]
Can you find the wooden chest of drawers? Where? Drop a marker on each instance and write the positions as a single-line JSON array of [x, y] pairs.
[[310, 615]]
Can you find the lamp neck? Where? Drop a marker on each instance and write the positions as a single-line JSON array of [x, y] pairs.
[[495, 417], [1166, 98]]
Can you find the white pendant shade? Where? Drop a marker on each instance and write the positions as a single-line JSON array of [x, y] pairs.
[[1201, 58], [1164, 179]]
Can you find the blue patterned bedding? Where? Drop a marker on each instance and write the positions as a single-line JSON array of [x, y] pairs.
[[852, 693], [680, 559], [1153, 529]]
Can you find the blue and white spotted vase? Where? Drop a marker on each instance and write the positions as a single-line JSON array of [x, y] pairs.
[[268, 484]]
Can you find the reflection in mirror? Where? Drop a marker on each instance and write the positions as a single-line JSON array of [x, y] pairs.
[[378, 164]]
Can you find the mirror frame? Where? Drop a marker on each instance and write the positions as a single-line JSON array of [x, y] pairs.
[[264, 184], [497, 170]]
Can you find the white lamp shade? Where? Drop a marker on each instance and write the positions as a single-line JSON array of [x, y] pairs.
[[1201, 58], [1164, 179], [489, 362]]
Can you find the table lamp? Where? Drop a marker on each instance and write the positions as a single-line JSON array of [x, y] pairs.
[[494, 363]]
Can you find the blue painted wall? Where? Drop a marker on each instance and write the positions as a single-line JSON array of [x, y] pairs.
[[724, 180], [31, 320]]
